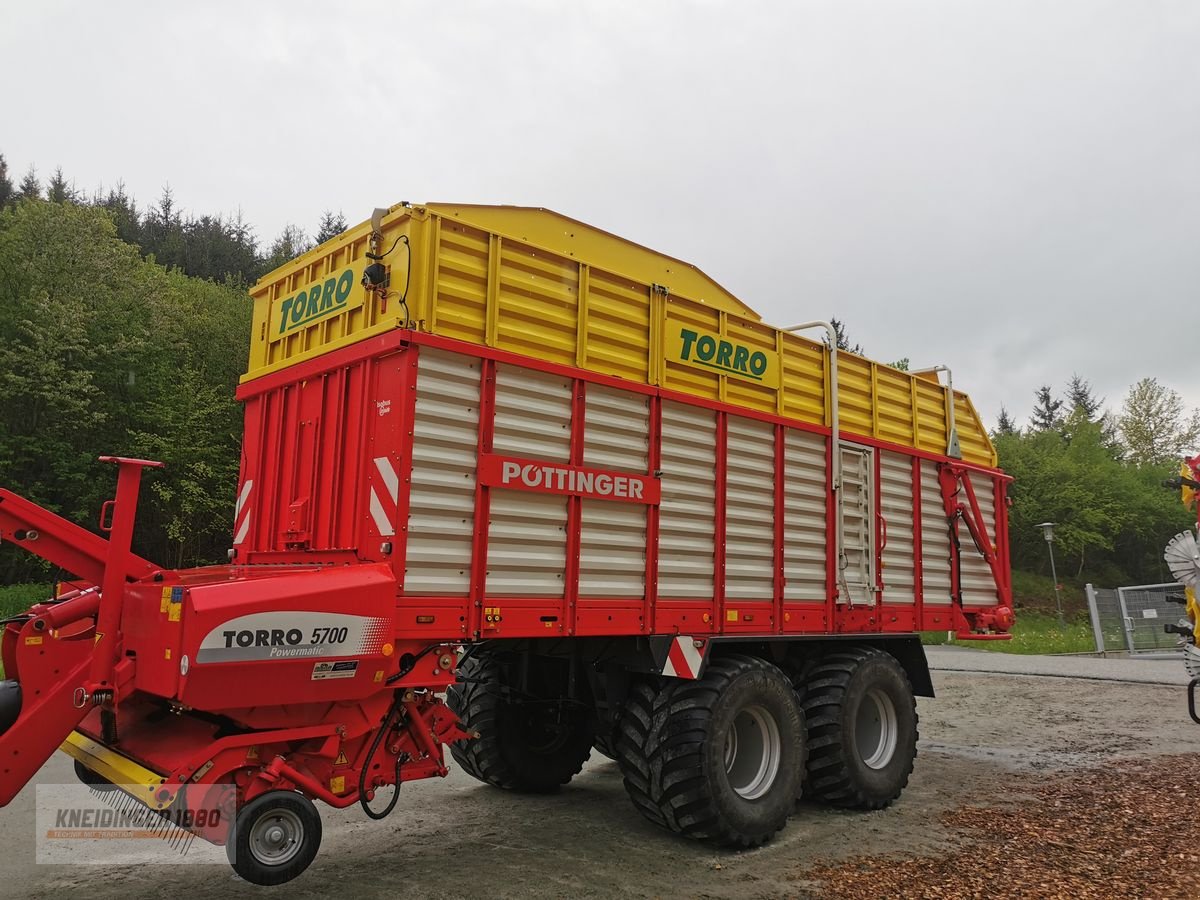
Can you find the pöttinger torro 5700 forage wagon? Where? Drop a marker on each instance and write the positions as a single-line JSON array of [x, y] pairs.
[[571, 483]]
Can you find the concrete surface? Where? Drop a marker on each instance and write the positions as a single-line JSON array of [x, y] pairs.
[[1112, 668]]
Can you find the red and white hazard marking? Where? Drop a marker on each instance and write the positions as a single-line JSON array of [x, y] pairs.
[[387, 479], [684, 658], [242, 523]]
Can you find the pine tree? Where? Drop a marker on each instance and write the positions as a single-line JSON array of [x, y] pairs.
[[291, 242], [1047, 415], [331, 226], [1080, 397], [6, 185], [843, 340], [58, 190], [162, 232], [123, 210], [31, 188], [1005, 424]]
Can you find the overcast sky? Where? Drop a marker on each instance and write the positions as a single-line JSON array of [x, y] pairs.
[[1009, 188]]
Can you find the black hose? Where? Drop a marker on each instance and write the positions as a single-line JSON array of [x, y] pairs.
[[362, 775]]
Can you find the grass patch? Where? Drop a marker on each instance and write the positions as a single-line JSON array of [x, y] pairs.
[[16, 598], [1033, 633]]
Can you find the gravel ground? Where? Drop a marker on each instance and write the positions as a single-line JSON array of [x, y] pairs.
[[1024, 786], [1125, 830]]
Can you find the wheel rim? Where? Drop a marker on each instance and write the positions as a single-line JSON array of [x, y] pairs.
[[752, 752], [276, 837], [875, 729], [543, 731]]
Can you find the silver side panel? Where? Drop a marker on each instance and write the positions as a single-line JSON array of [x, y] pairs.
[[533, 414], [527, 536], [896, 506], [978, 583], [612, 541], [805, 502], [441, 514], [935, 540], [749, 509], [527, 544], [687, 515]]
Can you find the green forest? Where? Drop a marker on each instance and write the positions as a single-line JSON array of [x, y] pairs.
[[124, 330]]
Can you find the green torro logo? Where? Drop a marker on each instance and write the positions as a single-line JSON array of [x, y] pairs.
[[316, 301], [722, 354], [718, 353]]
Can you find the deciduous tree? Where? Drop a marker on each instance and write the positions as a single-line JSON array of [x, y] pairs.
[[1155, 426]]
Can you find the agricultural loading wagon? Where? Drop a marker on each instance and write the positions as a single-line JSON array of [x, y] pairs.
[[570, 485]]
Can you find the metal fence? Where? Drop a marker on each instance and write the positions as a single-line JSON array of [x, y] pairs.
[[1130, 619]]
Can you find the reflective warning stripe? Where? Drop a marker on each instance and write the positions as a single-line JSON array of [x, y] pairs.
[[388, 474], [684, 658], [391, 484], [382, 525], [243, 526]]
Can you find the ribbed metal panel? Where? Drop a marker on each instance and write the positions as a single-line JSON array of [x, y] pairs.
[[533, 414], [978, 582], [527, 537], [612, 550], [896, 506], [538, 296], [687, 512], [616, 429], [442, 505], [935, 539], [612, 541], [858, 522], [527, 544], [805, 502], [749, 509]]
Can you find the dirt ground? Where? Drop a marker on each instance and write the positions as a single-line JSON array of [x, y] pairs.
[[1019, 783]]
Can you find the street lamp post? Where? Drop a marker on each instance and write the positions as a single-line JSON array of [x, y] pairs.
[[1048, 534]]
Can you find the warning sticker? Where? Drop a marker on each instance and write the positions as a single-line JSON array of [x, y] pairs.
[[347, 668]]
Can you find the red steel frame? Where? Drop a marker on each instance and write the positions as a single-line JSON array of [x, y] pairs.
[[523, 616]]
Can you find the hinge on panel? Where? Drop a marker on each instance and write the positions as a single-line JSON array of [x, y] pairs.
[[660, 289]]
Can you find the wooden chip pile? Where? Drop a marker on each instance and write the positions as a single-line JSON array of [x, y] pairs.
[[1131, 829]]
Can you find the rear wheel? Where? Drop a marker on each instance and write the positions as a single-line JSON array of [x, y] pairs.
[[720, 758], [275, 837], [862, 728], [527, 744]]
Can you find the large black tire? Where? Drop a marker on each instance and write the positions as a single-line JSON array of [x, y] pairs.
[[275, 837], [862, 728], [533, 746], [716, 759]]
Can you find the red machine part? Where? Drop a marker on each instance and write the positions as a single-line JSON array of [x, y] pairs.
[[107, 659], [955, 480]]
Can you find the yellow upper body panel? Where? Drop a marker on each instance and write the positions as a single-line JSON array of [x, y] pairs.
[[533, 282]]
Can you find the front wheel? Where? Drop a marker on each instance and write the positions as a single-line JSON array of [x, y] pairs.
[[524, 744], [275, 837]]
